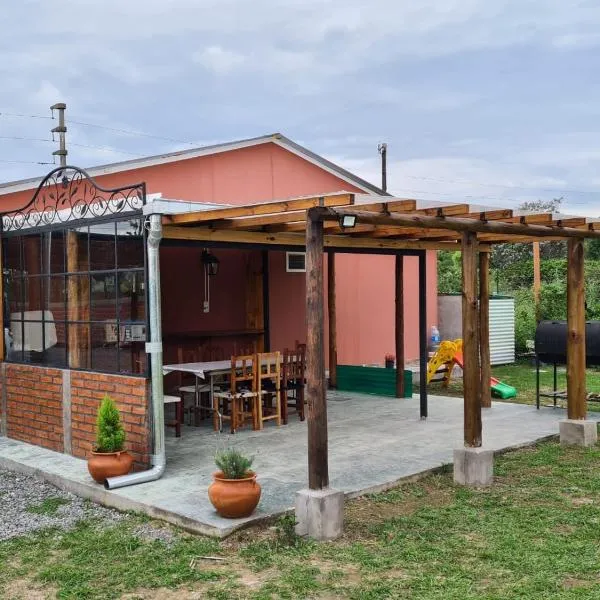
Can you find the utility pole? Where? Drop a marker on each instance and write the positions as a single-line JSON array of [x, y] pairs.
[[383, 151], [61, 130]]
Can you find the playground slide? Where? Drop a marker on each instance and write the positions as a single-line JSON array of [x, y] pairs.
[[499, 389]]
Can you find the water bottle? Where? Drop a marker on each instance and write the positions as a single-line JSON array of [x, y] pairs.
[[435, 338]]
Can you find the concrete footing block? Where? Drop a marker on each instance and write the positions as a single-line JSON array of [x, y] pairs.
[[473, 467], [578, 432], [320, 514]]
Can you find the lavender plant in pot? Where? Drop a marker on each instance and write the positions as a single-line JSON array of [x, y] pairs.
[[109, 459], [234, 492]]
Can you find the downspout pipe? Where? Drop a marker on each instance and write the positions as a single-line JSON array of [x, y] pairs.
[[154, 349]]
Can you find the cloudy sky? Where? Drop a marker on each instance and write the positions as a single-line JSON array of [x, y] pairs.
[[492, 102]]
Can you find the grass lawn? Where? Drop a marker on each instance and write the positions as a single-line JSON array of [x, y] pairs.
[[534, 534], [521, 376]]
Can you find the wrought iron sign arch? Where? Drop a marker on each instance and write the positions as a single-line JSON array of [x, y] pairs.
[[69, 194]]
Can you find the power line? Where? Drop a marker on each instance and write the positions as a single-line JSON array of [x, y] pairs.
[[106, 127], [26, 162], [509, 187], [47, 141], [8, 114]]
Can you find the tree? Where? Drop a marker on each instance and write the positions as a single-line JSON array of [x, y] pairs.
[[504, 255]]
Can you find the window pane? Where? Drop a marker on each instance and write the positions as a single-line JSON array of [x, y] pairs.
[[78, 344], [77, 250], [130, 246], [55, 290], [78, 297], [103, 294], [132, 356], [15, 345], [102, 247], [32, 254], [11, 253], [104, 347], [34, 296], [132, 306], [14, 292], [53, 252]]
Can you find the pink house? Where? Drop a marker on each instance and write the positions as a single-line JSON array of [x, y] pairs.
[[258, 170]]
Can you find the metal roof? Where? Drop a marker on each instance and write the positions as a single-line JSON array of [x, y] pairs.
[[274, 138]]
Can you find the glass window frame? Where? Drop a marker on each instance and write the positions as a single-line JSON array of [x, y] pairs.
[[92, 322]]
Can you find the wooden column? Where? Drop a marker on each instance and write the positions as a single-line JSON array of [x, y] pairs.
[[576, 388], [331, 309], [74, 344], [2, 308], [255, 315], [537, 279], [471, 377], [399, 326], [318, 470], [484, 328]]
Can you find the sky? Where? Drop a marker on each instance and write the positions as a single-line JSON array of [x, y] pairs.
[[485, 102]]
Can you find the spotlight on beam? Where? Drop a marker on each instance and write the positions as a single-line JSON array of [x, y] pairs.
[[347, 221]]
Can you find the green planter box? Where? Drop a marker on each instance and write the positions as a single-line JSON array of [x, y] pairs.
[[372, 380]]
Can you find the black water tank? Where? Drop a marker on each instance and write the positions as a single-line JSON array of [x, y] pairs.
[[551, 342]]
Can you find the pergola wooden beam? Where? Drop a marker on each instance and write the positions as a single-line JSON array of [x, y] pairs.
[[458, 224], [202, 234], [202, 216]]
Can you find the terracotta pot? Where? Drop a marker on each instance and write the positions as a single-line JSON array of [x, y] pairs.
[[102, 465], [234, 498]]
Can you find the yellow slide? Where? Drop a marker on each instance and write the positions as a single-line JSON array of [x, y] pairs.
[[444, 356]]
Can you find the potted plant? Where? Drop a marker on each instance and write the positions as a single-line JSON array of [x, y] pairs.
[[108, 458], [235, 492], [390, 359]]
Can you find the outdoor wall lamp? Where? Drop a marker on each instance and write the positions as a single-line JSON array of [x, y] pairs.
[[210, 262], [347, 221], [211, 268]]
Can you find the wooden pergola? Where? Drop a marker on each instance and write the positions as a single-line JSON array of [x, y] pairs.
[[345, 222]]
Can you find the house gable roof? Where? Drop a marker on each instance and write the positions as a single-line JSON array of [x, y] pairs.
[[160, 159]]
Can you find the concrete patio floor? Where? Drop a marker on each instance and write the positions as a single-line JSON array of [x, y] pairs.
[[374, 443]]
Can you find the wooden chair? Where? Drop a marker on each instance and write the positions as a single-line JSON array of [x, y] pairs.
[[242, 400], [189, 386], [168, 400], [268, 374], [293, 380]]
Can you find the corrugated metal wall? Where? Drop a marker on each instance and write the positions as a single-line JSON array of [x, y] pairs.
[[502, 330], [502, 325]]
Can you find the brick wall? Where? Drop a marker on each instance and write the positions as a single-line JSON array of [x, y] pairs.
[[34, 405], [131, 396], [33, 397]]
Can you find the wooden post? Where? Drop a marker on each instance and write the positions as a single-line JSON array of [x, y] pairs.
[[471, 377], [255, 315], [74, 345], [537, 279], [399, 326], [2, 346], [576, 388], [484, 328], [318, 470], [331, 309]]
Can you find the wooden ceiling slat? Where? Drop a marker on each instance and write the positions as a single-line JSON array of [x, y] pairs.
[[266, 208]]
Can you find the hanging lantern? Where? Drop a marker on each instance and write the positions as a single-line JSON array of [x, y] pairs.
[[210, 262]]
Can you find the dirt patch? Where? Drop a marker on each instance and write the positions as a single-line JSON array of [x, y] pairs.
[[23, 589], [363, 513]]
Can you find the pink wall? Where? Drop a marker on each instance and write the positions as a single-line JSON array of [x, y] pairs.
[[261, 173]]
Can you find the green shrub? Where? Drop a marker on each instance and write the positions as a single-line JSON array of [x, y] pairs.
[[110, 435], [553, 301], [524, 319], [234, 464]]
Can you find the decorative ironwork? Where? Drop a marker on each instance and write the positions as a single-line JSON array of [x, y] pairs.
[[69, 194]]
